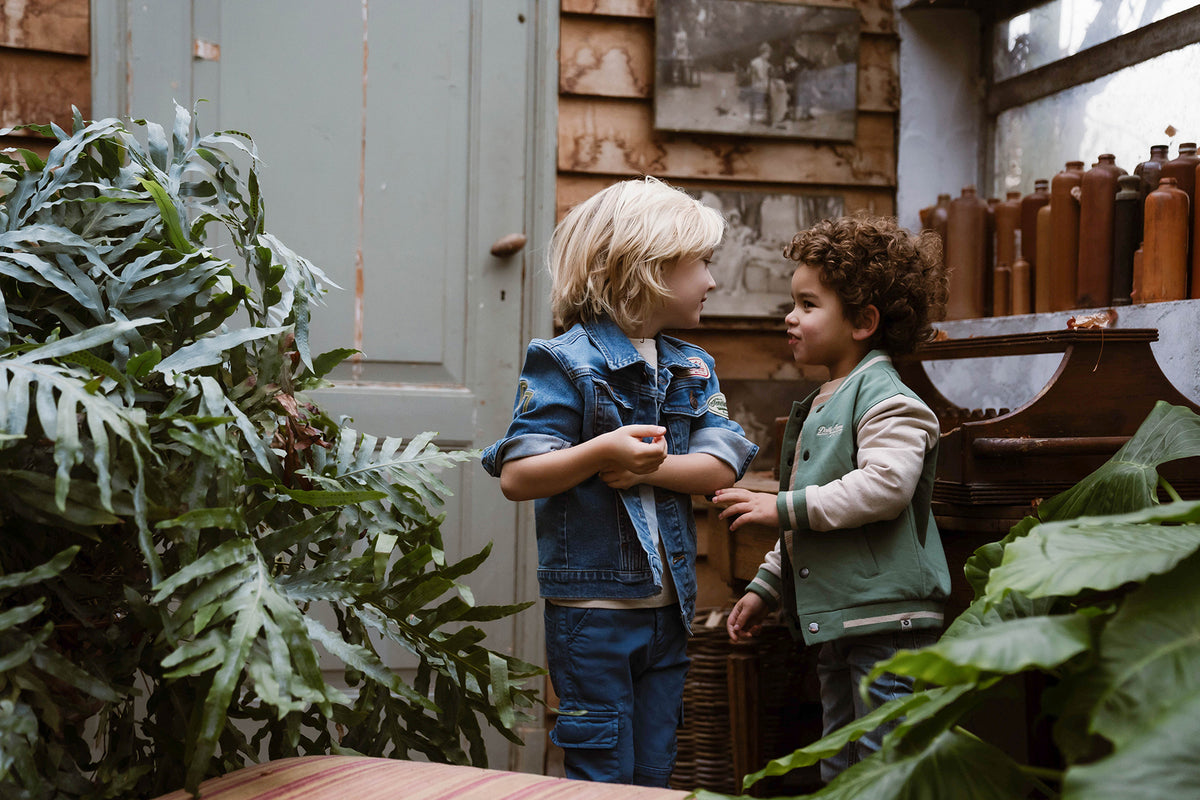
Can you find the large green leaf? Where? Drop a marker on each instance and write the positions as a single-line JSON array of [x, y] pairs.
[[1127, 482], [1099, 553], [992, 648], [1150, 654], [1158, 761]]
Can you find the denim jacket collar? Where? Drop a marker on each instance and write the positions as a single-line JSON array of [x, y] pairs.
[[619, 352]]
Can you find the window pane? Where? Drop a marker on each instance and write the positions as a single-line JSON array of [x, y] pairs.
[[1062, 28], [1123, 113]]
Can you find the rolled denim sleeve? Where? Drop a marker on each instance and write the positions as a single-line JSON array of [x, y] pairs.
[[547, 411], [713, 432]]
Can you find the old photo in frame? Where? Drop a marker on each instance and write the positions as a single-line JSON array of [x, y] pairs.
[[756, 69], [753, 278]]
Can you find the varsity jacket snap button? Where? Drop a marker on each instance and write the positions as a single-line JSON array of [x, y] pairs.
[[806, 455], [813, 627], [906, 623], [804, 574]]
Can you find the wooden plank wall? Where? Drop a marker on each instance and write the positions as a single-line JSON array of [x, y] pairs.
[[44, 60], [606, 133]]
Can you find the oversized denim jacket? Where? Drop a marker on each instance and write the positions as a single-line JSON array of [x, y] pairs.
[[594, 541]]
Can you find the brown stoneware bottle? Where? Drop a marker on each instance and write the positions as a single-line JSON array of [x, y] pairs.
[[1030, 204], [1194, 284], [966, 226], [1041, 276], [1183, 169], [1150, 171], [1127, 236], [938, 216], [1164, 246], [1022, 287], [1064, 235], [1097, 194], [1002, 289], [1008, 225]]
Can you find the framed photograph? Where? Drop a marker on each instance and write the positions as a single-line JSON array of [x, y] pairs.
[[753, 278], [756, 69]]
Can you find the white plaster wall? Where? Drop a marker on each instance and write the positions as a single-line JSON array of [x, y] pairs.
[[1012, 381], [941, 102]]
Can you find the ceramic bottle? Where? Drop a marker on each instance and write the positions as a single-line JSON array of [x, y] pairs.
[[1183, 169], [1030, 203], [966, 226], [938, 216], [1164, 246], [1098, 192], [1008, 224], [1041, 275], [1151, 170], [1064, 235], [1127, 236]]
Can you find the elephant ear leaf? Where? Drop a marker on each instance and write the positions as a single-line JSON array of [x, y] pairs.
[[1128, 481]]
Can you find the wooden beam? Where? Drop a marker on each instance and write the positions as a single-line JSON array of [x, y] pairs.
[[1172, 33], [575, 188], [40, 88], [52, 26], [617, 137]]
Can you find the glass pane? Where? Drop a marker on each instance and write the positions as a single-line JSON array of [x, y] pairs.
[[1123, 113], [1061, 28]]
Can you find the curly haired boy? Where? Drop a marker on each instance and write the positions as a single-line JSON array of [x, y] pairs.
[[859, 569]]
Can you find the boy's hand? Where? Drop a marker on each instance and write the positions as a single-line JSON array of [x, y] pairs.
[[745, 621], [746, 507], [628, 450]]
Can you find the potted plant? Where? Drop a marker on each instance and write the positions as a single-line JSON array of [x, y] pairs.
[[189, 546], [1096, 597]]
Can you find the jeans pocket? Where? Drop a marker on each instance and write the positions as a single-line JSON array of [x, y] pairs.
[[590, 730]]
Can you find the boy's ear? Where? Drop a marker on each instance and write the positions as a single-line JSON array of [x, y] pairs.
[[866, 324]]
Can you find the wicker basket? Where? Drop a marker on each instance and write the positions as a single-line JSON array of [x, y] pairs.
[[743, 705]]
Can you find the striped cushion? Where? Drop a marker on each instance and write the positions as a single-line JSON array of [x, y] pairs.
[[359, 778]]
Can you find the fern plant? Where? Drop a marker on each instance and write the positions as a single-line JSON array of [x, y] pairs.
[[191, 551]]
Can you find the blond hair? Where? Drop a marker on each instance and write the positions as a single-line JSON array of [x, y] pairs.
[[609, 253]]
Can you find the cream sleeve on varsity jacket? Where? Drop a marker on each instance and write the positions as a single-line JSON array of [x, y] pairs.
[[893, 438]]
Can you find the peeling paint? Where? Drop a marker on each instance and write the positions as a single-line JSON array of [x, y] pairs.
[[359, 267]]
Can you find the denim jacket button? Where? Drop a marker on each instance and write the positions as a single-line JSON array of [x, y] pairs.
[[678, 559], [695, 402]]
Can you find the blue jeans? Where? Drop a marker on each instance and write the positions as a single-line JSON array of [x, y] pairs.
[[841, 667], [625, 670]]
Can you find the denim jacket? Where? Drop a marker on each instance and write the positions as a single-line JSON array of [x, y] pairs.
[[594, 541]]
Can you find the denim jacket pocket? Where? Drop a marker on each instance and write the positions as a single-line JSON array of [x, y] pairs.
[[609, 410]]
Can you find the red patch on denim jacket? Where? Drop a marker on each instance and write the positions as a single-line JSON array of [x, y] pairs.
[[701, 369]]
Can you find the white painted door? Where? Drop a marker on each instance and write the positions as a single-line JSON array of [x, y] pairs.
[[400, 139]]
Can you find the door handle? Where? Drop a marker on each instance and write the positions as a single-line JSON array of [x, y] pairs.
[[508, 245]]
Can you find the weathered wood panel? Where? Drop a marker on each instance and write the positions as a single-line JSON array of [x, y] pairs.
[[617, 137], [616, 8], [878, 16], [574, 189], [613, 57], [41, 147], [41, 88], [607, 57], [55, 26]]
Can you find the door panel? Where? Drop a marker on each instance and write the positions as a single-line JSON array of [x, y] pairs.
[[399, 139]]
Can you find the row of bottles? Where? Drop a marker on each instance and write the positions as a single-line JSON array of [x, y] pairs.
[[1081, 239]]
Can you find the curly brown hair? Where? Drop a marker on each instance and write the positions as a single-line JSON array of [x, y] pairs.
[[868, 260]]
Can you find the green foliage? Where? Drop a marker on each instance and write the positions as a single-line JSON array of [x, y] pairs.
[[193, 555], [1098, 595]]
